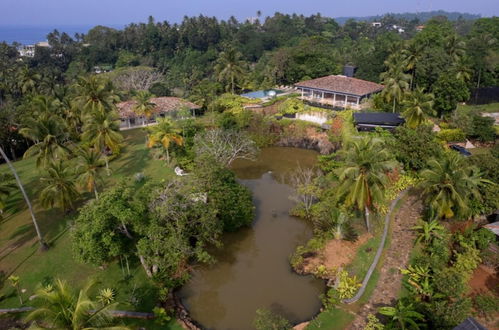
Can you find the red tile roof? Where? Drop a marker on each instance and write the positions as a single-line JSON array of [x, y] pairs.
[[342, 84], [163, 104]]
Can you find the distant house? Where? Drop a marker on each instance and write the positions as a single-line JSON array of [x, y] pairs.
[[337, 91], [368, 121], [165, 106], [29, 50], [420, 28], [376, 24]]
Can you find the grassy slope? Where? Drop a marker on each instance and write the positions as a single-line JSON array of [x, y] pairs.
[[19, 253]]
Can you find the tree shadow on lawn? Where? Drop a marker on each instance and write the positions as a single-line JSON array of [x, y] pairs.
[[133, 163]]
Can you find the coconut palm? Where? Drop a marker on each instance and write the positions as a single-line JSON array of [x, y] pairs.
[[412, 54], [144, 106], [101, 130], [6, 187], [59, 187], [418, 106], [48, 132], [403, 315], [62, 308], [163, 134], [95, 94], [448, 184], [28, 80], [455, 47], [89, 160], [363, 176], [463, 71], [428, 231], [43, 245], [229, 68], [396, 82]]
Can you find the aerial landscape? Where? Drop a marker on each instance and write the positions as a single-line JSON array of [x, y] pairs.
[[266, 165]]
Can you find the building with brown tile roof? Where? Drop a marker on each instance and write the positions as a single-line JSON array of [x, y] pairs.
[[338, 91], [164, 106]]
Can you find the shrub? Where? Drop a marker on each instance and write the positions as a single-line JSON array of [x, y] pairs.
[[452, 135], [347, 286], [467, 261], [414, 147], [450, 282], [291, 106], [446, 314], [486, 304]]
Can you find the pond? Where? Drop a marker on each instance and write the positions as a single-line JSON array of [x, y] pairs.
[[252, 269]]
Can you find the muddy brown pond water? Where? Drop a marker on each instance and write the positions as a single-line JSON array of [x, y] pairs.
[[252, 269]]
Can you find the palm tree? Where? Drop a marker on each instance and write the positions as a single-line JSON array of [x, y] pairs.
[[43, 245], [101, 130], [412, 54], [455, 47], [95, 94], [448, 184], [229, 68], [396, 82], [62, 308], [6, 187], [59, 188], [403, 315], [164, 133], [28, 80], [428, 231], [49, 135], [144, 106], [363, 176], [89, 161], [418, 105], [463, 71]]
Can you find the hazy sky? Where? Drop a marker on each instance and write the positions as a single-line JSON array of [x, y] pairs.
[[113, 12]]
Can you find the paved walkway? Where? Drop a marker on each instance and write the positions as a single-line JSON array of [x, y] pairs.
[[395, 257]]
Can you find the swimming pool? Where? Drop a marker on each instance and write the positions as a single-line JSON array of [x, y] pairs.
[[262, 94]]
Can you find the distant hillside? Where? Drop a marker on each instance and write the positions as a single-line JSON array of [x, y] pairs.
[[422, 16]]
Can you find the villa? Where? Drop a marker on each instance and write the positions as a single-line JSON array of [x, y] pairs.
[[165, 106], [337, 91]]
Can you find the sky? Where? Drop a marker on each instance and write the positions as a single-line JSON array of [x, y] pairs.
[[121, 12]]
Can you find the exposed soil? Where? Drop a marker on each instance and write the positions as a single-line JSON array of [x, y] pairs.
[[484, 280], [395, 257], [336, 254]]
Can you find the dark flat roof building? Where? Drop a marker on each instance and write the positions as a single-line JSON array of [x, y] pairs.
[[368, 121]]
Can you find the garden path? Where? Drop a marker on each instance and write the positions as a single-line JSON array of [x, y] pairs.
[[395, 257]]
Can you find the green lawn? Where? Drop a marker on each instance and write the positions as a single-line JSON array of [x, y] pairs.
[[19, 250], [491, 107]]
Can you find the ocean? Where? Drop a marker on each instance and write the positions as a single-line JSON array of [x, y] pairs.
[[28, 35]]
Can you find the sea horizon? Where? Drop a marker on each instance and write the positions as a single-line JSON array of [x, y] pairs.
[[31, 34]]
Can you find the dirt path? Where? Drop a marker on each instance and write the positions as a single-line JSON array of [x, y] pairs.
[[395, 257]]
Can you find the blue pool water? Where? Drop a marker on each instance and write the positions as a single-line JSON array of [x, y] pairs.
[[261, 94]]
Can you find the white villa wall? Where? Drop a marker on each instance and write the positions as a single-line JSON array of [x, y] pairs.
[[313, 117]]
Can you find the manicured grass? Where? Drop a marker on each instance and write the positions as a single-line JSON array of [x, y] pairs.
[[479, 151], [491, 107], [331, 319], [19, 252]]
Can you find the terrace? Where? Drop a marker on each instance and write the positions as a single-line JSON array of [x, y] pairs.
[[338, 92]]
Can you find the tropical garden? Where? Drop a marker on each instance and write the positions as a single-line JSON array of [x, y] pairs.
[[97, 230]]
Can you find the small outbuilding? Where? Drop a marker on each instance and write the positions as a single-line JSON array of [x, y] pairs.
[[470, 324], [368, 121]]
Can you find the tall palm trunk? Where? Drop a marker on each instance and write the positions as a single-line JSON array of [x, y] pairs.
[[107, 164], [95, 192], [368, 225], [43, 245], [394, 99]]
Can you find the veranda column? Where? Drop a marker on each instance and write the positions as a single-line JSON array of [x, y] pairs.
[[302, 90], [358, 100], [334, 99]]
